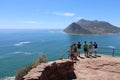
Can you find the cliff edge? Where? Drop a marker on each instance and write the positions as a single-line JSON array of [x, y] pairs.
[[100, 68]]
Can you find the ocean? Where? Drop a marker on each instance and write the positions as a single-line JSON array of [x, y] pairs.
[[18, 48]]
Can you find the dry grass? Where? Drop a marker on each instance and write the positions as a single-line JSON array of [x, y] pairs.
[[23, 71]]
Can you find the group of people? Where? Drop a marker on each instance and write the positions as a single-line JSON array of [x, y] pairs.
[[75, 49]]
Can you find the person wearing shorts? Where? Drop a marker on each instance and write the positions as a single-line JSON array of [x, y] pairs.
[[85, 49]]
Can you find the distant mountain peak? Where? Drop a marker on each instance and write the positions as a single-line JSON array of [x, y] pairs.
[[91, 27], [85, 20], [82, 20]]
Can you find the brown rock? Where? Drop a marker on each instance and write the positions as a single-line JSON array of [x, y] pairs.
[[103, 68]]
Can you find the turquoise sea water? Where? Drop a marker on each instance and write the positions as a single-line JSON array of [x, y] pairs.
[[19, 48]]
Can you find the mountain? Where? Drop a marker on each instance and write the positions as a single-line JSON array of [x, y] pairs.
[[76, 29], [91, 27]]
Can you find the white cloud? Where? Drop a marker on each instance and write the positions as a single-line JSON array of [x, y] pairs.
[[64, 14]]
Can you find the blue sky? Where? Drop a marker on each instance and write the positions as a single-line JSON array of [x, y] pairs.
[[55, 14]]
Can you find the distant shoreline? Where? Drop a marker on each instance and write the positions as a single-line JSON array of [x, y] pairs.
[[91, 34]]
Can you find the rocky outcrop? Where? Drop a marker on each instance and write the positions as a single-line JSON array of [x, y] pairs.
[[91, 27], [57, 70], [98, 69]]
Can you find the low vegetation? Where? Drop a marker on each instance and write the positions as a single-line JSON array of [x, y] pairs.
[[23, 71]]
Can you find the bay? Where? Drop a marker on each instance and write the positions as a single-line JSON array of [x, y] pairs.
[[18, 48]]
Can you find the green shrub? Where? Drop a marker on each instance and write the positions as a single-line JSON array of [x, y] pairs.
[[23, 71]]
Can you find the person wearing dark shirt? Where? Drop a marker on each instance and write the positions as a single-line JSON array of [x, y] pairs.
[[78, 49], [95, 48]]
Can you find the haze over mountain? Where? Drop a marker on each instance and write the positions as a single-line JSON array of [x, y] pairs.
[[91, 27]]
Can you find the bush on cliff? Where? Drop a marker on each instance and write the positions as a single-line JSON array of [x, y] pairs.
[[23, 71]]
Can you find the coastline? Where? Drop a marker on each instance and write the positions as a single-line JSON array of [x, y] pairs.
[[91, 34]]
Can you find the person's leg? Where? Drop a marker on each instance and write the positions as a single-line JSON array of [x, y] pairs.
[[75, 54], [78, 52], [85, 53], [95, 52], [72, 56], [90, 52]]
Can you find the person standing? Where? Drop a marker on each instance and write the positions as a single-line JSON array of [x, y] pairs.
[[72, 51], [95, 48], [90, 48], [78, 49], [75, 51], [85, 46]]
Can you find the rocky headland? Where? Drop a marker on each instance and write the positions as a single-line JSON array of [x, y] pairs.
[[91, 27], [100, 68]]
